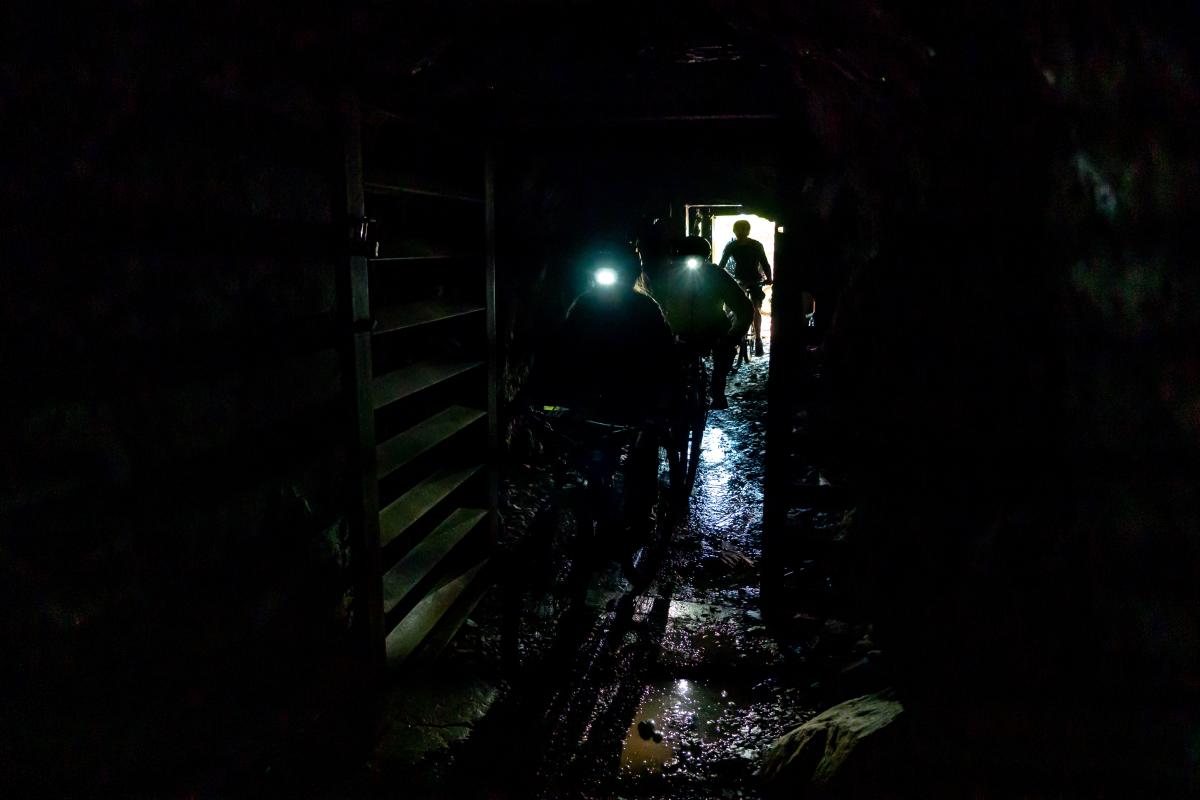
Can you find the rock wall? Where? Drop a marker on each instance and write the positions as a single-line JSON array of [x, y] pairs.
[[1015, 362], [174, 552]]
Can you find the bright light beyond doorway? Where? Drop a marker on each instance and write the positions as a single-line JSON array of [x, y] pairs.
[[761, 229]]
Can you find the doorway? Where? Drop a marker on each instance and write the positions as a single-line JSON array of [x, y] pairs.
[[763, 230]]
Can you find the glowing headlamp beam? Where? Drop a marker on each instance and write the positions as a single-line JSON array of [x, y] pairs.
[[692, 262], [606, 276]]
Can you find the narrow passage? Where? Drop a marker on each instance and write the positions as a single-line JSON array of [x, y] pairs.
[[677, 692]]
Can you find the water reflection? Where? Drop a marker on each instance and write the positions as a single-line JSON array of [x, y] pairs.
[[675, 713], [685, 728], [680, 727], [712, 446]]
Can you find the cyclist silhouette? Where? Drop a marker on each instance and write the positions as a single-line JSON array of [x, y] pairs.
[[614, 361], [706, 309], [616, 351], [748, 259]]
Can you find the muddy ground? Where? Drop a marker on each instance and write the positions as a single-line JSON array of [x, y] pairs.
[[676, 692]]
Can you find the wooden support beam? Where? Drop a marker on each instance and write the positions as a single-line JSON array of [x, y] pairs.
[[354, 318]]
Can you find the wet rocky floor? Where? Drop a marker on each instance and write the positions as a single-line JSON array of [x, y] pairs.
[[676, 692], [718, 692]]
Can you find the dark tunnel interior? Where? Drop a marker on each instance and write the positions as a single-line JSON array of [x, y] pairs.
[[289, 509]]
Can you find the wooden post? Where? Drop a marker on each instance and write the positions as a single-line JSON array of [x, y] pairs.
[[493, 366], [355, 327], [787, 331]]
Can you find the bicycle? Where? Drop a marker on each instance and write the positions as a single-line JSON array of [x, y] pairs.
[[688, 430], [743, 354], [588, 518], [753, 292]]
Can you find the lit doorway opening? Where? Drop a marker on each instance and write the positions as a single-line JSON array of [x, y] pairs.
[[763, 230]]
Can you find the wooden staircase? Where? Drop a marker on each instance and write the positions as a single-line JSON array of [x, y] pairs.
[[422, 290]]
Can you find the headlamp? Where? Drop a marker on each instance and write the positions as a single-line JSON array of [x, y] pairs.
[[606, 276], [692, 262]]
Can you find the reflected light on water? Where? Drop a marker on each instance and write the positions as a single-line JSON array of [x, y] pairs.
[[712, 446], [686, 714]]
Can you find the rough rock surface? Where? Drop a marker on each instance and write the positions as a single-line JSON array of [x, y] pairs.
[[428, 713], [847, 744]]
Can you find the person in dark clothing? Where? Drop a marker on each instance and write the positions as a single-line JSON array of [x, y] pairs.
[[706, 310], [616, 354], [614, 360], [750, 269]]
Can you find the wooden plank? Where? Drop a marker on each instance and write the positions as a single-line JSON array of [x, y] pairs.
[[407, 248], [429, 257], [415, 378], [423, 437], [407, 509], [440, 193], [411, 315], [435, 607], [479, 581], [419, 564]]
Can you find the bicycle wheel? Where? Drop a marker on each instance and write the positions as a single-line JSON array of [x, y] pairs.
[[743, 355], [552, 578], [645, 560], [698, 416]]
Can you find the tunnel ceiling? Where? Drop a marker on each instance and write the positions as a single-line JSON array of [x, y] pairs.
[[591, 60]]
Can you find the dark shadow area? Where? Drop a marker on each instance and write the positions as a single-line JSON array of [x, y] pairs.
[[968, 489]]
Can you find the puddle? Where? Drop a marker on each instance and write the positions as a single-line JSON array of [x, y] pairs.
[[690, 718], [712, 732]]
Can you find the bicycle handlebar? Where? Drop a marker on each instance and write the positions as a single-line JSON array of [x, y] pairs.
[[547, 414]]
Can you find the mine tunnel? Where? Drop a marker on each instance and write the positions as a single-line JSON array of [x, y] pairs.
[[280, 517]]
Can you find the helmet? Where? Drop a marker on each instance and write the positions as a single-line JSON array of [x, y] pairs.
[[693, 246], [654, 238], [613, 264]]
